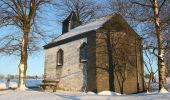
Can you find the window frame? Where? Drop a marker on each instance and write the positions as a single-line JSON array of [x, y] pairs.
[[81, 60], [60, 57]]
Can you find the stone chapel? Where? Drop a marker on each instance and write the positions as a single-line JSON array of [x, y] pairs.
[[84, 55]]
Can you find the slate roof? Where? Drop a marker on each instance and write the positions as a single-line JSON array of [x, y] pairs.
[[79, 31], [83, 28]]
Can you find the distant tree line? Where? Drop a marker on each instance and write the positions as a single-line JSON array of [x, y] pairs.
[[9, 76]]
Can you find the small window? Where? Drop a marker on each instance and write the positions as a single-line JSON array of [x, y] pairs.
[[60, 57], [83, 52]]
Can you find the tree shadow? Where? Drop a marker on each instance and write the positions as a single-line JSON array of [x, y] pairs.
[[67, 97]]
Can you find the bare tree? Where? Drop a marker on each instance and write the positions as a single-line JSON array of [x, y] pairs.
[[153, 17], [22, 14], [149, 67], [85, 10]]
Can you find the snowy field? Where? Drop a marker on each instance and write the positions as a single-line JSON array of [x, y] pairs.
[[63, 95], [13, 83]]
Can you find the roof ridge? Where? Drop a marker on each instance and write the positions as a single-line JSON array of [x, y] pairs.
[[86, 24], [96, 19]]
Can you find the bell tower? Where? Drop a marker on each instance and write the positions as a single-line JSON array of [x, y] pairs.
[[70, 22]]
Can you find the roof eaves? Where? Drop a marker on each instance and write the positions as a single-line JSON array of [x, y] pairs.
[[55, 43]]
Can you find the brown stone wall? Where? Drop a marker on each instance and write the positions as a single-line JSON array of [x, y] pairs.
[[127, 57], [91, 64], [140, 66], [101, 63]]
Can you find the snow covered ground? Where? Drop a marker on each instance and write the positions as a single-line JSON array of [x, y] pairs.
[[61, 95], [14, 83], [64, 95]]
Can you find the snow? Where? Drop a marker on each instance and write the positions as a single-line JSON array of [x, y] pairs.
[[155, 86], [108, 93], [83, 28], [163, 91], [8, 85], [2, 86], [91, 93], [66, 95], [38, 95], [13, 85]]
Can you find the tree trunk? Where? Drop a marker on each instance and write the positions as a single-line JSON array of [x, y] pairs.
[[123, 84], [161, 60], [110, 61], [24, 58], [149, 83]]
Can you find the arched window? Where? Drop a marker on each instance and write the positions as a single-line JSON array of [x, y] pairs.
[[83, 52], [60, 57]]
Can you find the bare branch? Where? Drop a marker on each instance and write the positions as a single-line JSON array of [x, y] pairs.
[[162, 3], [133, 2]]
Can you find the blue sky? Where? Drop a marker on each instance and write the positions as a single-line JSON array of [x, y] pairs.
[[9, 64]]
